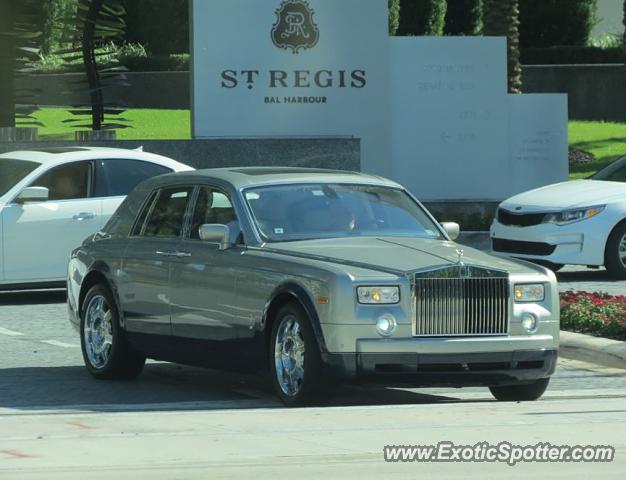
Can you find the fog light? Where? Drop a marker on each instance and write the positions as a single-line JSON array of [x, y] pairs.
[[530, 322], [386, 325]]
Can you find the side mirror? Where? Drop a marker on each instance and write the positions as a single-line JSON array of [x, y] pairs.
[[33, 194], [216, 234], [452, 229]]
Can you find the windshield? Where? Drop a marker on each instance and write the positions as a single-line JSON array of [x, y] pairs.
[[616, 172], [308, 211], [12, 171]]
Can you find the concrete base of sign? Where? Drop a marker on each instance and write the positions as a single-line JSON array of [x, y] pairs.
[[332, 153]]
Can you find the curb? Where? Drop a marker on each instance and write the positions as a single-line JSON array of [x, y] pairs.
[[603, 351]]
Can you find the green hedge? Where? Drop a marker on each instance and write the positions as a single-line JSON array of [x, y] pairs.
[[162, 26], [422, 17], [547, 23], [571, 55], [464, 17]]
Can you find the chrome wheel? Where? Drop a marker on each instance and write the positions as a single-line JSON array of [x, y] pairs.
[[98, 331], [621, 251], [289, 355]]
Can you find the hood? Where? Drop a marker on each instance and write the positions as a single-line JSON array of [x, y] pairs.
[[394, 254], [578, 193]]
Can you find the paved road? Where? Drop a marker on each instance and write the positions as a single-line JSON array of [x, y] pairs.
[[180, 422]]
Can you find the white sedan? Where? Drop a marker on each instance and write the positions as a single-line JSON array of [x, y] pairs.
[[581, 222], [50, 200]]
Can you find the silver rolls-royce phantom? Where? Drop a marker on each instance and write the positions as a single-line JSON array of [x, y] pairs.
[[313, 276]]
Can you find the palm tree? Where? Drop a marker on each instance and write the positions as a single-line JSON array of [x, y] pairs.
[[501, 18]]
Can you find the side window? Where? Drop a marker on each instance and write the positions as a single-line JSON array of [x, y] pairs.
[[67, 182], [168, 215], [214, 207], [143, 214], [116, 178]]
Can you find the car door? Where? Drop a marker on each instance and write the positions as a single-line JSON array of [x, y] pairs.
[[203, 276], [115, 178], [144, 284], [39, 237]]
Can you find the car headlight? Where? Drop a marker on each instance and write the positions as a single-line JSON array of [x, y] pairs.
[[571, 216], [378, 295], [530, 292]]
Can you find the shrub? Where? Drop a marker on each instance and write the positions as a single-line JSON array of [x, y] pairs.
[[394, 16], [464, 17], [162, 26], [547, 23], [595, 313], [571, 55], [422, 17]]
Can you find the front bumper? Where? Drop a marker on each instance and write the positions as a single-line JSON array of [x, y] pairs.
[[443, 369], [580, 243]]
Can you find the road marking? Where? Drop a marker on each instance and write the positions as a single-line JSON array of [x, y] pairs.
[[56, 343], [10, 333]]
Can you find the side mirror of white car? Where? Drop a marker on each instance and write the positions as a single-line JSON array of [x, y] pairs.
[[33, 194], [216, 234], [452, 229]]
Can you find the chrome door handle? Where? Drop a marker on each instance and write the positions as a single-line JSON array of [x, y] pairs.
[[84, 216], [166, 254], [183, 254]]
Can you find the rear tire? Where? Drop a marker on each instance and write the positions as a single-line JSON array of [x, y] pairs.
[[295, 361], [615, 253], [106, 352], [527, 392]]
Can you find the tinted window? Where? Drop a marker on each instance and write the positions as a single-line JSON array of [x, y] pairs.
[[213, 207], [141, 220], [168, 216], [118, 177], [12, 171], [67, 182]]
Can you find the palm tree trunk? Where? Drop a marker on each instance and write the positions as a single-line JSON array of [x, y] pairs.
[[501, 18], [7, 63], [91, 67]]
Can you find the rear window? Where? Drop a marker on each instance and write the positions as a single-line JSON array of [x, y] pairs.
[[13, 171]]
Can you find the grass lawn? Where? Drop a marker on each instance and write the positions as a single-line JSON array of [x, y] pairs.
[[607, 141], [144, 124]]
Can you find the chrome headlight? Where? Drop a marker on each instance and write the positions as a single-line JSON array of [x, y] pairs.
[[378, 295], [530, 292], [570, 216]]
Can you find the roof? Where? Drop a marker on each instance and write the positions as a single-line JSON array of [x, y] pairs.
[[242, 177], [59, 155]]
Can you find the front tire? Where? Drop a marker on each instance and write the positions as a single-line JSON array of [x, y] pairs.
[[615, 253], [295, 361], [106, 353], [527, 392]]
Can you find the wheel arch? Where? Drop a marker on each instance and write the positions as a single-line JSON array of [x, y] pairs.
[[99, 273], [287, 293], [619, 224]]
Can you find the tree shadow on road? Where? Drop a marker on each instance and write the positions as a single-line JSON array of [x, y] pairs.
[[33, 297], [165, 387]]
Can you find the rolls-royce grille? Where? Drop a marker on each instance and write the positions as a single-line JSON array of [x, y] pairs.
[[520, 219], [461, 306]]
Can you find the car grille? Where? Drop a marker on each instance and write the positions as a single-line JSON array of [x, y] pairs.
[[519, 219], [461, 306], [525, 248]]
